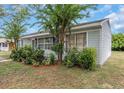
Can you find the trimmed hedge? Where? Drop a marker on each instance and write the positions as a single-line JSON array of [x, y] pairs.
[[23, 54], [118, 42], [85, 58], [38, 56], [28, 55], [71, 58], [15, 55]]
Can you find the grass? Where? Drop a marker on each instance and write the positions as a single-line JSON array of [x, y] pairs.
[[18, 75], [4, 54]]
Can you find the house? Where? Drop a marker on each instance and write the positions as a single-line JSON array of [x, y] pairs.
[[4, 45], [91, 34]]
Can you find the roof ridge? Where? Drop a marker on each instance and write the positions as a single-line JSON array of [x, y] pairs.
[[71, 26], [91, 22]]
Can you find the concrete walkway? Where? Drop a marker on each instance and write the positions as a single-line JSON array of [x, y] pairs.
[[4, 59]]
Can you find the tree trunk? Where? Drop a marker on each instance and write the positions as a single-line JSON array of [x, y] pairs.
[[14, 43], [61, 41]]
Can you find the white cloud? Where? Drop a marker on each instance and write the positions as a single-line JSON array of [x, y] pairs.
[[103, 9], [120, 26], [121, 8], [117, 21], [106, 8]]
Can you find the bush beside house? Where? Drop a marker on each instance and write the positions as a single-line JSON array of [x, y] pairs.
[[85, 58], [118, 42], [71, 58], [29, 56]]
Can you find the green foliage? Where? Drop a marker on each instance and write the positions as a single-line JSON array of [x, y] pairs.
[[54, 16], [59, 18], [57, 48], [38, 56], [35, 63], [46, 62], [14, 55], [13, 27], [26, 54], [87, 58], [29, 56], [52, 58], [118, 42], [23, 54], [71, 58], [28, 60]]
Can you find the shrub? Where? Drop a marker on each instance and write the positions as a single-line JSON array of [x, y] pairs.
[[26, 54], [46, 61], [71, 58], [57, 48], [118, 42], [35, 63], [87, 58], [23, 54], [49, 60], [38, 56], [28, 60], [14, 55], [52, 58]]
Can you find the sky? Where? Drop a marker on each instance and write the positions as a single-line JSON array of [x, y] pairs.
[[114, 12]]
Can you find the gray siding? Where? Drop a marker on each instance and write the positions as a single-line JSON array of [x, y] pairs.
[[93, 41], [105, 46]]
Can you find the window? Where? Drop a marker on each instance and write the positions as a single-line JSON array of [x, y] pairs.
[[4, 44], [41, 40], [81, 40], [76, 40], [45, 43]]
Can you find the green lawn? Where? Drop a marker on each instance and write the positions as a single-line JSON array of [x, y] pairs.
[[4, 54], [17, 75]]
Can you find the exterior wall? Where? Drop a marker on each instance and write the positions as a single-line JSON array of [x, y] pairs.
[[3, 48], [98, 37], [105, 46], [93, 41]]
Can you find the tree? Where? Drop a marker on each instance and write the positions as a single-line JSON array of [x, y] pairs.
[[118, 42], [16, 25], [59, 18]]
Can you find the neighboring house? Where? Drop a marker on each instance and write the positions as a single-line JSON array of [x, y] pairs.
[[92, 34], [4, 45]]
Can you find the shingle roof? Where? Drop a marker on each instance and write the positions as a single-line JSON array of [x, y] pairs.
[[35, 33], [81, 24], [97, 21]]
